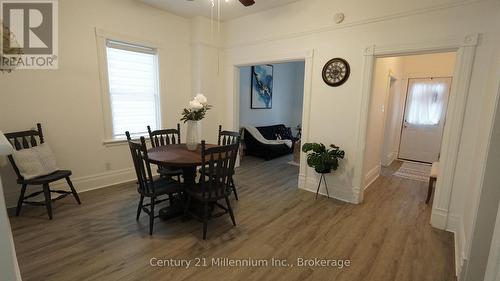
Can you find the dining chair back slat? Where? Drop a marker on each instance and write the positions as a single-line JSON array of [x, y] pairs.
[[165, 136], [227, 137], [19, 140], [142, 165], [219, 166]]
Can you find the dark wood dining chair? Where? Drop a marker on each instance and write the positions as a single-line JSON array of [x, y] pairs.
[[166, 137], [214, 182], [147, 185], [227, 138], [25, 140]]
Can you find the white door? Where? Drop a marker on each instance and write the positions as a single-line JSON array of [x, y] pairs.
[[424, 118]]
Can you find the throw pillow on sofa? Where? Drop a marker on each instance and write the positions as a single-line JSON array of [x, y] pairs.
[[284, 133]]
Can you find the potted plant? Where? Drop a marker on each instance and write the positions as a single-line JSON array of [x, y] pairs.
[[191, 115], [321, 158]]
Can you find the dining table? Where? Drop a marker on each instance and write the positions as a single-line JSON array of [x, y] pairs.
[[177, 156]]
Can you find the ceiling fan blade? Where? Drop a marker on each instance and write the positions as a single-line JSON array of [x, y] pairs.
[[247, 3]]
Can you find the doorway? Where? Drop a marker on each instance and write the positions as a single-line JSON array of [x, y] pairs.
[[407, 112], [270, 110]]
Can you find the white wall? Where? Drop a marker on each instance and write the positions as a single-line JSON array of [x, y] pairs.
[[207, 73], [477, 220], [378, 111], [8, 260], [72, 116], [288, 93], [393, 111], [67, 101], [486, 214], [335, 112]]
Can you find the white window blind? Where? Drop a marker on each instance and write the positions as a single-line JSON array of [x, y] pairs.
[[133, 88]]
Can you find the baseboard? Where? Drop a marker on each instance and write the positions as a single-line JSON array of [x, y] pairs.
[[372, 176], [337, 192], [391, 157], [456, 226], [92, 182], [439, 218]]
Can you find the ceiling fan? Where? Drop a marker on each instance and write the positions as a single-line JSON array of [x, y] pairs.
[[247, 3]]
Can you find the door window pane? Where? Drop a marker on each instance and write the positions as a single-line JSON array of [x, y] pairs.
[[426, 103]]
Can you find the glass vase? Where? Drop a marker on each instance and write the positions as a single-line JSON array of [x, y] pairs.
[[192, 135]]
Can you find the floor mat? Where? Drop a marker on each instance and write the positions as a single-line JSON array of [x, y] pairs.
[[414, 171]]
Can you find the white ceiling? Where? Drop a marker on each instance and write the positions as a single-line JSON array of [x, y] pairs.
[[230, 8]]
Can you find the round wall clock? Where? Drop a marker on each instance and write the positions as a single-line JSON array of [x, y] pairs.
[[336, 71]]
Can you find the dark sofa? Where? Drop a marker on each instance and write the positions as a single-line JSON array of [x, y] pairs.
[[268, 151]]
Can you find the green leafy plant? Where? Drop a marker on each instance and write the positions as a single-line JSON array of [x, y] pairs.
[[321, 158], [6, 37]]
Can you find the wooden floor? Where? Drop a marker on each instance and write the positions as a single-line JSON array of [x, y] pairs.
[[386, 238]]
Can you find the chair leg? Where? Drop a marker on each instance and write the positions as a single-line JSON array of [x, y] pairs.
[[75, 194], [429, 190], [48, 201], [21, 199], [139, 208], [205, 220], [186, 206], [230, 210], [152, 216], [233, 187]]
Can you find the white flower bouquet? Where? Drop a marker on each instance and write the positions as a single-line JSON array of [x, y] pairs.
[[196, 109]]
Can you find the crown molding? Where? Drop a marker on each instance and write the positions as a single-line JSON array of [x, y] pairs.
[[206, 45], [450, 44], [470, 40], [107, 34], [357, 23]]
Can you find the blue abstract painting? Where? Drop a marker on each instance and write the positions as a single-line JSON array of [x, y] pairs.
[[262, 87]]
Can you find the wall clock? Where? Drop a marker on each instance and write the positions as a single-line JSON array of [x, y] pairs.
[[336, 71]]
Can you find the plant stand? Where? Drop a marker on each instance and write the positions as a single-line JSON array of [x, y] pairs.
[[322, 178]]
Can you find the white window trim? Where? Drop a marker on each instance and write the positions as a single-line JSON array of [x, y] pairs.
[[101, 37]]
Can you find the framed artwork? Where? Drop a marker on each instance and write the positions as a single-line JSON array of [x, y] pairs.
[[261, 94]]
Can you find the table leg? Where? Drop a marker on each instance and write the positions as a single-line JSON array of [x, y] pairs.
[[189, 174]]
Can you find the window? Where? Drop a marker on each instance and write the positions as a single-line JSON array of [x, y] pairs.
[[133, 88], [426, 103]]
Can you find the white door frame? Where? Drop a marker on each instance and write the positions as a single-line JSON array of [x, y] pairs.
[[233, 92], [387, 109], [465, 48]]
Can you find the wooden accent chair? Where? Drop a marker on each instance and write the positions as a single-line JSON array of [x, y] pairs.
[[147, 185], [214, 182], [25, 140], [227, 138], [166, 137]]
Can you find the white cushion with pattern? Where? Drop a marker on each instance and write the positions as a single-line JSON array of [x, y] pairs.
[[434, 170], [35, 162]]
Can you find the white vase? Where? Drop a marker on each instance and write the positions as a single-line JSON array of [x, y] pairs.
[[192, 139]]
